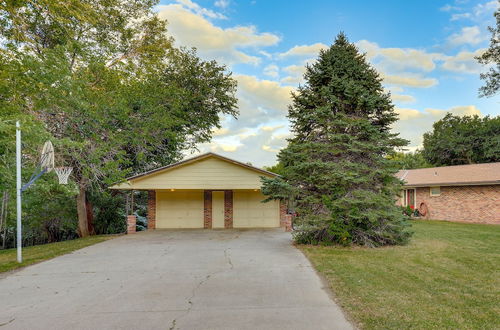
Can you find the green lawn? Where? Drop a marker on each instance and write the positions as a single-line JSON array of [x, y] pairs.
[[448, 277], [33, 254]]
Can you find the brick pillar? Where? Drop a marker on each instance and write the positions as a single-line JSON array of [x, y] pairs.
[[151, 209], [228, 209], [131, 221], [288, 222], [285, 219], [282, 214], [207, 209]]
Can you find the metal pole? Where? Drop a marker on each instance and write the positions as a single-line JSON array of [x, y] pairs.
[[18, 191]]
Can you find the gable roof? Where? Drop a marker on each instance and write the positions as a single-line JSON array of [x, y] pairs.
[[474, 174], [200, 157]]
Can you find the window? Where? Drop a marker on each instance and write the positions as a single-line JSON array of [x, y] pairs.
[[435, 191]]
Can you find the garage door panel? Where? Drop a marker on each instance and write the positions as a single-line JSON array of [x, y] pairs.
[[179, 209], [250, 212]]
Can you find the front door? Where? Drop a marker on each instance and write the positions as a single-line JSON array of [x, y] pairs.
[[217, 209], [410, 198]]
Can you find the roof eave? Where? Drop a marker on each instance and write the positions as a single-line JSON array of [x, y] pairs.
[[445, 184]]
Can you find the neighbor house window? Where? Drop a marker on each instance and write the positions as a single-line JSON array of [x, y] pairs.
[[435, 191]]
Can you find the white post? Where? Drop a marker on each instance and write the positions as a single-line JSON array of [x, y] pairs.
[[18, 191]]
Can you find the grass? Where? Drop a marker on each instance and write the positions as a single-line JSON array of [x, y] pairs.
[[34, 254], [447, 277]]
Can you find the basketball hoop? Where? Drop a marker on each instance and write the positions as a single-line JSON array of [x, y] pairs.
[[47, 158], [63, 174]]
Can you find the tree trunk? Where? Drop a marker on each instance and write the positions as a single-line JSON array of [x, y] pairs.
[[90, 216], [81, 206], [3, 217]]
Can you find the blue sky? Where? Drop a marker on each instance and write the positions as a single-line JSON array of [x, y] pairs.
[[424, 50]]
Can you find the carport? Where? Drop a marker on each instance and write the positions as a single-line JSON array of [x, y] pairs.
[[207, 191]]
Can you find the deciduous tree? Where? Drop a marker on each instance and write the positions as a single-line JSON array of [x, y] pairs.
[[492, 57], [456, 140], [409, 160], [109, 86]]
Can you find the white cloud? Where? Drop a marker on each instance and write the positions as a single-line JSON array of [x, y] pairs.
[[220, 131], [261, 128], [197, 9], [296, 72], [267, 94], [398, 59], [402, 98], [480, 12], [487, 8], [190, 28], [456, 17], [464, 62], [469, 35], [409, 80], [448, 7], [272, 70], [222, 3], [412, 123], [262, 144], [304, 50]]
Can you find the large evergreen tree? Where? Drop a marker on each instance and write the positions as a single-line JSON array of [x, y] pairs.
[[335, 169]]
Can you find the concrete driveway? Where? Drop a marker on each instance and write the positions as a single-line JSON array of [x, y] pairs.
[[189, 279]]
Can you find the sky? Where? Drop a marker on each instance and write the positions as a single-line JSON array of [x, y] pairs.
[[424, 50]]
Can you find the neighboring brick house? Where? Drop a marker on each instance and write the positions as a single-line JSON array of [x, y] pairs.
[[467, 193]]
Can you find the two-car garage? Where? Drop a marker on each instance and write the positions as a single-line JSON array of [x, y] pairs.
[[209, 191], [185, 209]]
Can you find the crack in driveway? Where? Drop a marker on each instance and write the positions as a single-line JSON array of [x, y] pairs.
[[203, 281]]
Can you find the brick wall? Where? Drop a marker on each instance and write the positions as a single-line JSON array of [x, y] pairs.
[[207, 209], [228, 209], [282, 214], [151, 209], [131, 224], [463, 203], [285, 219]]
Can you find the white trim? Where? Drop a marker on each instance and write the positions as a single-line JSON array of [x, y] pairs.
[[404, 201], [434, 195]]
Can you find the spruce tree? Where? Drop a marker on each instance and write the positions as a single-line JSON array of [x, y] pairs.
[[335, 170]]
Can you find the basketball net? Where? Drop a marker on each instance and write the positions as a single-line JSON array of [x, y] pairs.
[[63, 174]]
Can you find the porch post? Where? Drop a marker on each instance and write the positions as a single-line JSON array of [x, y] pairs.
[[151, 209]]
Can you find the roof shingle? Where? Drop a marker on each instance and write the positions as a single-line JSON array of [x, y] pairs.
[[452, 175]]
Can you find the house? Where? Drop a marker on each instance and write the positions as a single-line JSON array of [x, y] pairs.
[[468, 193], [207, 191]]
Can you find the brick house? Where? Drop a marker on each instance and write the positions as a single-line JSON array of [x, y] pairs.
[[466, 193]]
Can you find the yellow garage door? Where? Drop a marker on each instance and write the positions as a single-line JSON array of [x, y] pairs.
[[179, 209], [249, 212]]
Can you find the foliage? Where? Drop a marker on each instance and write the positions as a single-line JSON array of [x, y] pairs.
[[410, 211], [109, 212], [48, 208], [109, 88], [492, 57], [446, 278], [335, 166], [277, 168], [457, 140], [409, 160]]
